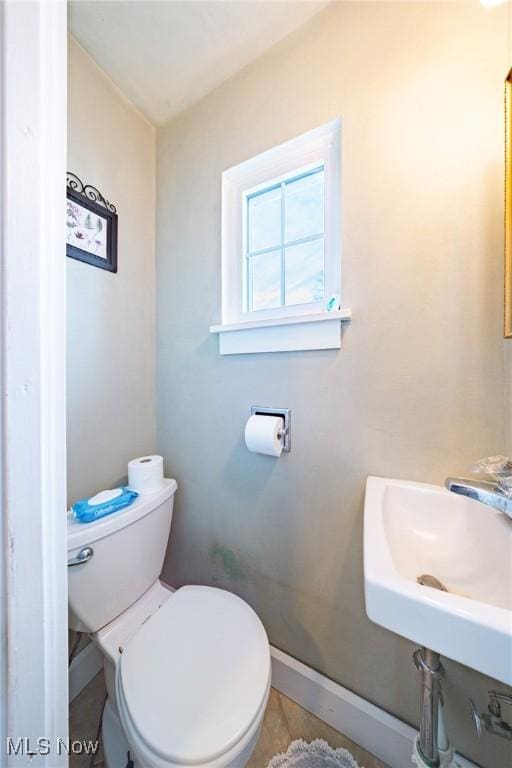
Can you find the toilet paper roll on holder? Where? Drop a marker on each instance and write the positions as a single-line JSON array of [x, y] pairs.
[[286, 415]]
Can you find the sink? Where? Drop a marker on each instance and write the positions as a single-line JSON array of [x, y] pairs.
[[414, 529]]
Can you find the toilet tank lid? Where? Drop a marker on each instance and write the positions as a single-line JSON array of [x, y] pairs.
[[85, 534]]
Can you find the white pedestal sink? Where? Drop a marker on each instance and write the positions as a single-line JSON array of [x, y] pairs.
[[412, 529]]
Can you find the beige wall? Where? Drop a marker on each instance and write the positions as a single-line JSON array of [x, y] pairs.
[[110, 323], [418, 389]]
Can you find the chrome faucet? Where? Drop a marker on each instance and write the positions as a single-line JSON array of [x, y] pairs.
[[487, 492]]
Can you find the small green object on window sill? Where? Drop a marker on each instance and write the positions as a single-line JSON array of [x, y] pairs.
[[332, 303]]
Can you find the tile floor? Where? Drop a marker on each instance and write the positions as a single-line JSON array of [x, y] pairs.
[[284, 721]]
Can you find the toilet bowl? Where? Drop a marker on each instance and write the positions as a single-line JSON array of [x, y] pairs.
[[187, 672]]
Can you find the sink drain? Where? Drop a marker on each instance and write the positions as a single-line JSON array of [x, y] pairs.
[[427, 580]]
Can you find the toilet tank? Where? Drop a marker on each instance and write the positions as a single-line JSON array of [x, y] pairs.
[[128, 553]]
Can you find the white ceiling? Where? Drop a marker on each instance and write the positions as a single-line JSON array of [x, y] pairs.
[[167, 55]]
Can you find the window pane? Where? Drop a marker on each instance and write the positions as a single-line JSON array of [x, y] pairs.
[[265, 280], [304, 266], [304, 207], [264, 220]]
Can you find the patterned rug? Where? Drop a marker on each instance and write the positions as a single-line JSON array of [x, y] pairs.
[[317, 754]]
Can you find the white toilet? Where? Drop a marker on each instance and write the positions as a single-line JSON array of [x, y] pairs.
[[187, 672]]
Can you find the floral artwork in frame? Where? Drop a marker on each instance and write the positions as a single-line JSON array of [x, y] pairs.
[[91, 225]]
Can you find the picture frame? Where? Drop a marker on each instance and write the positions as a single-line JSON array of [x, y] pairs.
[[91, 225], [507, 329]]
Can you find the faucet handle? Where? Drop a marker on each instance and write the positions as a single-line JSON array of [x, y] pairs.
[[496, 699], [490, 493], [492, 720]]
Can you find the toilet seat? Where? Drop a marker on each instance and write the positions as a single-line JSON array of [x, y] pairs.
[[193, 683]]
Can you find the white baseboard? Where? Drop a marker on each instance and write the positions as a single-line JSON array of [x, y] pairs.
[[381, 734], [83, 668]]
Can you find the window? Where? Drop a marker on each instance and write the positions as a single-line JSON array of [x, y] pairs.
[[280, 247], [284, 243]]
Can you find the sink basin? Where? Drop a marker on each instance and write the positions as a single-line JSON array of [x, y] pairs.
[[414, 529]]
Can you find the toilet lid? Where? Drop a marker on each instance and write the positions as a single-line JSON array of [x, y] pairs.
[[194, 677]]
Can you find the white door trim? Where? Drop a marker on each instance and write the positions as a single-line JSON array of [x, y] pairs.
[[33, 41]]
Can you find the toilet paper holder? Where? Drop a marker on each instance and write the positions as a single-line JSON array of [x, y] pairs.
[[285, 414]]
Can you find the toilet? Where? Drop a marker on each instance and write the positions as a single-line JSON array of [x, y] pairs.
[[187, 672]]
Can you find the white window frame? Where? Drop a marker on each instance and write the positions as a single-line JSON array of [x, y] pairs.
[[301, 326]]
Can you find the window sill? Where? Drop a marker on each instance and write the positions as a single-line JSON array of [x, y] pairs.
[[321, 330]]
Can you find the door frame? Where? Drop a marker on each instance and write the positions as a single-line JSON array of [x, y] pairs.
[[33, 577]]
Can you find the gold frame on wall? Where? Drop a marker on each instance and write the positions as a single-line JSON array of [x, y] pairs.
[[507, 330]]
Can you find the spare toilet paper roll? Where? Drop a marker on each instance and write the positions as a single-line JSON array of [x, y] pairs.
[[146, 474], [262, 434]]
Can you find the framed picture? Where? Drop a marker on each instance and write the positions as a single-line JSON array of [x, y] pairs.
[[508, 207], [91, 225]]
